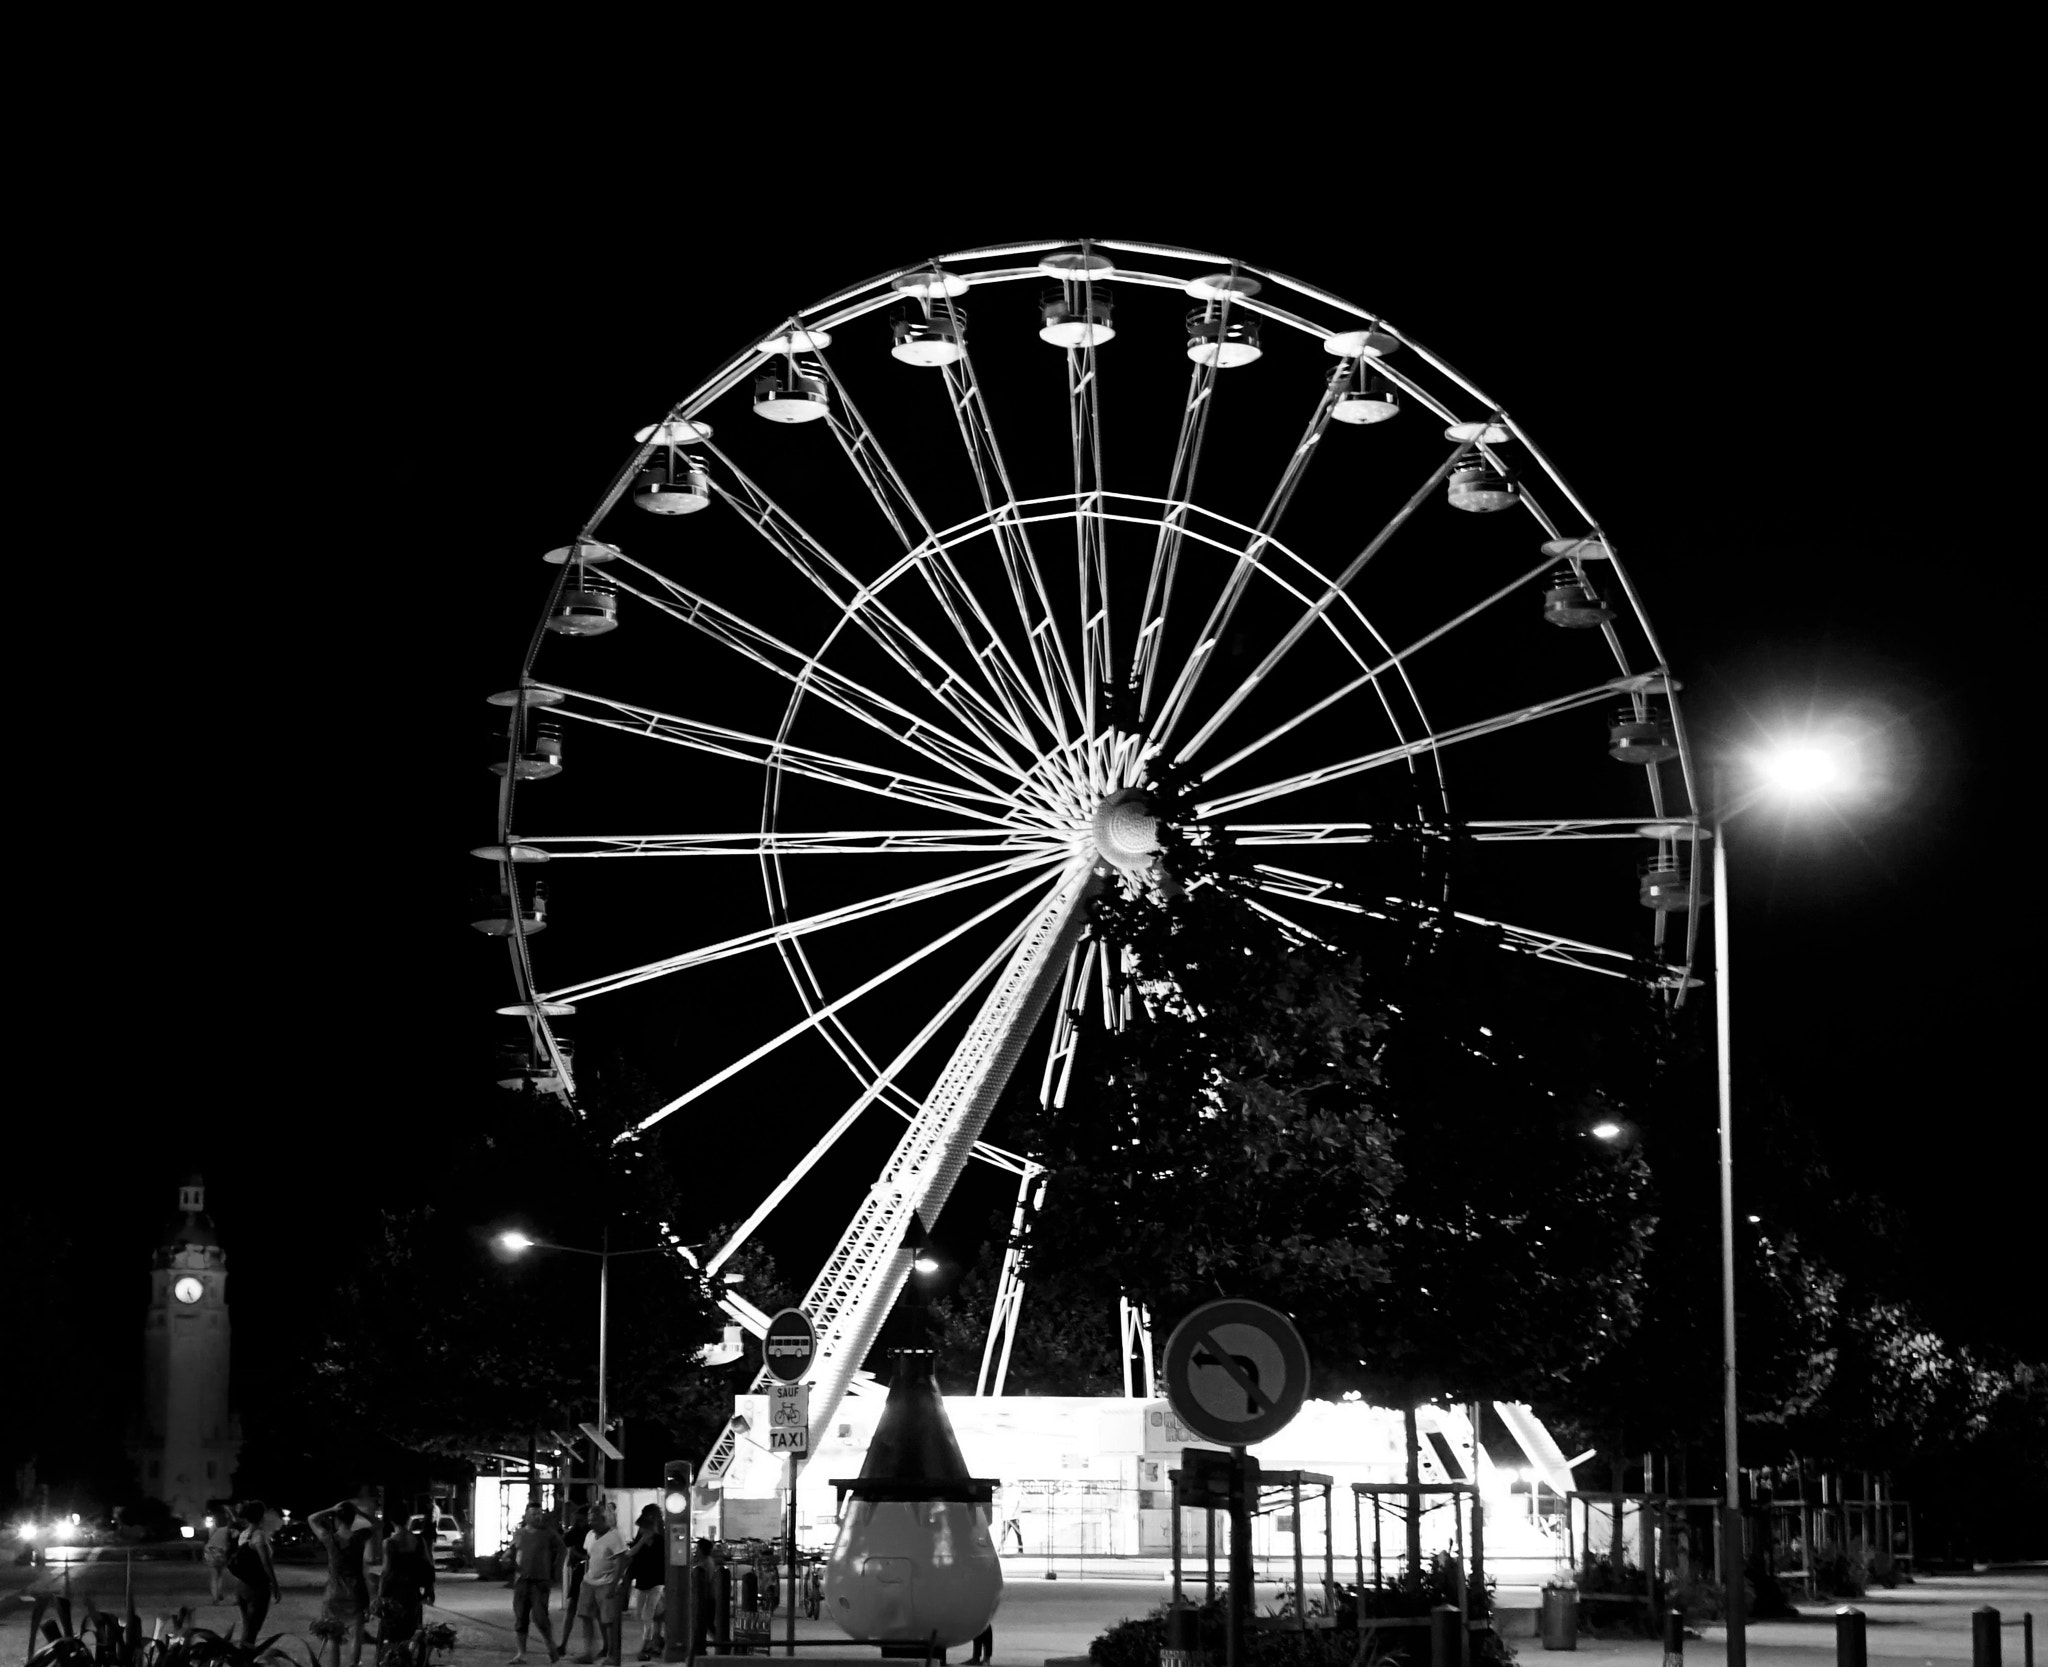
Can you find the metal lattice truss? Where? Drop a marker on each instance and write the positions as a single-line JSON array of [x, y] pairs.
[[1001, 682]]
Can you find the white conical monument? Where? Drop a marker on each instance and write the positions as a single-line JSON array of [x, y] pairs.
[[187, 1441]]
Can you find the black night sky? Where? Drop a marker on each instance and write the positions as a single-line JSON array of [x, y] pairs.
[[368, 404]]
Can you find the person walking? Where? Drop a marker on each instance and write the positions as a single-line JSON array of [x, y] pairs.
[[644, 1569], [252, 1570], [407, 1586], [220, 1539], [537, 1557], [599, 1603], [344, 1533]]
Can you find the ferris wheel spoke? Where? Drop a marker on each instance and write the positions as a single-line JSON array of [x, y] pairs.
[[870, 460], [1293, 886], [776, 842], [1180, 486], [808, 672], [1091, 570], [811, 1020], [846, 914], [1013, 541], [1394, 662], [864, 608], [721, 742], [1409, 749], [884, 1083], [1322, 604], [1182, 692]]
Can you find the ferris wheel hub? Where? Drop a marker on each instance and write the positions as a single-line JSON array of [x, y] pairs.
[[1126, 831]]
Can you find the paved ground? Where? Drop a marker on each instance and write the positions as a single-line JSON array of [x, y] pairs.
[[1928, 1623]]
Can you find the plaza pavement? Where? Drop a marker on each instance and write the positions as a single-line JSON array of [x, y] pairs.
[[1927, 1623]]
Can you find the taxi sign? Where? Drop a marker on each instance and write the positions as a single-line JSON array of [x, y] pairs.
[[789, 1418], [1236, 1372], [789, 1345]]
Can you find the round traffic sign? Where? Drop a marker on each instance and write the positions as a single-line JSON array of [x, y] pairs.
[[1236, 1371], [789, 1345]]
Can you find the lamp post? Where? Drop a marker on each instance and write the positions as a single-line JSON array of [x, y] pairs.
[[516, 1243], [1807, 769]]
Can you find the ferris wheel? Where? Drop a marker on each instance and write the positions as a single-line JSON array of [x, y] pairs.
[[968, 622]]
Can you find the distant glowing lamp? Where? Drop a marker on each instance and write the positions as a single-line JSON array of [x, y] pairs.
[[187, 1533], [26, 1531], [1607, 1131], [515, 1242]]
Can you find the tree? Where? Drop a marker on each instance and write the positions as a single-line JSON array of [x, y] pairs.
[[430, 1344], [1051, 1353], [1225, 1142]]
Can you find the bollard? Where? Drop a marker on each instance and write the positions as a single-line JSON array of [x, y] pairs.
[[2027, 1637], [1443, 1636], [1674, 1638], [1851, 1648], [1984, 1636]]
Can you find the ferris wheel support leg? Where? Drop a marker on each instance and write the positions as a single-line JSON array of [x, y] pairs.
[[1009, 1286], [864, 1273]]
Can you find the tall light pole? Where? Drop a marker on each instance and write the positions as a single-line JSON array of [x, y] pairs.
[[516, 1243], [1736, 1597], [1804, 769]]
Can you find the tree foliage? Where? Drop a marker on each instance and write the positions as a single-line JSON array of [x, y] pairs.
[[1414, 1185], [433, 1342], [1226, 1141]]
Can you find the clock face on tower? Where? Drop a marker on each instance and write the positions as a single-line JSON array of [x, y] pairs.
[[188, 1289]]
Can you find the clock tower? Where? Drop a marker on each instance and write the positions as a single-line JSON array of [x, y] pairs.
[[187, 1441]]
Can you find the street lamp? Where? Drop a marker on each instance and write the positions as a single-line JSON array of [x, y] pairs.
[[1805, 769], [515, 1243]]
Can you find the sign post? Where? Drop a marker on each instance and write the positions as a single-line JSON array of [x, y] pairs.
[[1237, 1372], [788, 1347]]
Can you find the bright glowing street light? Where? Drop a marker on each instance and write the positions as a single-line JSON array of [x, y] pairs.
[[1607, 1131], [1822, 764], [1804, 769], [516, 1242]]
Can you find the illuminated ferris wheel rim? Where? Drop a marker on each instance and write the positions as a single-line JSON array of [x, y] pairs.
[[1032, 769], [809, 330]]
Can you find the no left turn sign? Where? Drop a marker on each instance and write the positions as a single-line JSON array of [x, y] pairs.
[[1236, 1372]]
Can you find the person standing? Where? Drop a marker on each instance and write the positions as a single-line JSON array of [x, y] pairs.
[[537, 1557], [407, 1586], [599, 1603], [344, 1533], [573, 1566], [253, 1570], [220, 1539], [703, 1598], [644, 1569]]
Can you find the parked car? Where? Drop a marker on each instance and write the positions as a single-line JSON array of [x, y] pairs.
[[447, 1537]]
